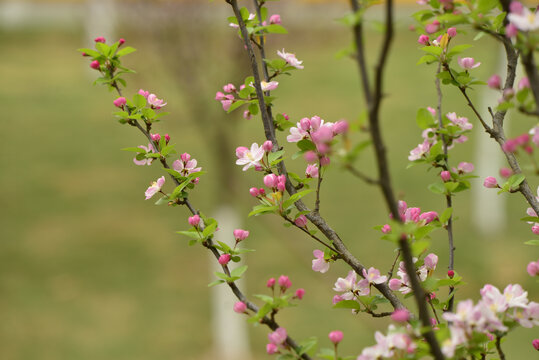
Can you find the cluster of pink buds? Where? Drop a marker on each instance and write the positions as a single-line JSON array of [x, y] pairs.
[[275, 183], [194, 220], [95, 64], [186, 166], [276, 339], [396, 345], [403, 284], [228, 97], [521, 141], [413, 214], [157, 138], [489, 314]]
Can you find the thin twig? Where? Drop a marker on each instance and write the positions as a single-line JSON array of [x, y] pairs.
[[499, 347], [316, 238], [360, 175], [318, 183], [390, 272]]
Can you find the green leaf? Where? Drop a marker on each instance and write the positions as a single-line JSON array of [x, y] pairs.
[[437, 188], [139, 101], [296, 197], [434, 50], [265, 298], [484, 6], [134, 149], [451, 186], [532, 242], [238, 272], [90, 52], [125, 51], [193, 234], [286, 357], [223, 276], [307, 345], [424, 119], [458, 49], [209, 229], [275, 29], [261, 209], [103, 48], [216, 282], [515, 180], [530, 218], [306, 144], [347, 304], [273, 156], [236, 104], [419, 246], [426, 59], [446, 215]]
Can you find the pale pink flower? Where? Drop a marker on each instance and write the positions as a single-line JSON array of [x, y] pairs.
[[319, 263], [147, 161], [432, 27], [529, 316], [311, 171], [290, 59], [490, 182], [423, 39], [468, 63], [511, 30], [373, 276], [120, 102], [144, 93], [268, 86], [525, 21], [418, 152], [250, 157], [229, 88], [460, 121], [515, 296], [278, 336], [386, 229], [155, 187], [524, 83], [428, 216], [270, 348], [297, 134], [533, 268], [186, 167], [275, 19], [400, 315], [240, 234], [430, 261], [154, 102], [465, 167], [346, 285], [494, 82]]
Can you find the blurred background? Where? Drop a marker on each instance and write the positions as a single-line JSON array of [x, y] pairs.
[[89, 270]]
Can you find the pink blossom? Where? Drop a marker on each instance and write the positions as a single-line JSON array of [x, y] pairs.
[[310, 156], [431, 110], [511, 30], [533, 268], [301, 221], [281, 183], [490, 182], [95, 65], [297, 134], [506, 172], [228, 88], [121, 41], [324, 161], [341, 127], [240, 307], [450, 273], [120, 102], [247, 115], [494, 82], [271, 181], [400, 315], [395, 284], [535, 229], [254, 191], [335, 336], [100, 39], [465, 167], [311, 171], [516, 7], [155, 137], [218, 95], [145, 93], [524, 83], [319, 263], [412, 214], [270, 283], [428, 216], [284, 282], [373, 276], [535, 344], [510, 145], [224, 259], [445, 175], [268, 86], [155, 103], [278, 336], [423, 39], [460, 121], [432, 27], [525, 20], [147, 161], [240, 234], [194, 220], [155, 187], [290, 59], [386, 229], [350, 287], [468, 63], [418, 152], [300, 293], [167, 138], [452, 32], [337, 299], [275, 19], [186, 166], [431, 260], [267, 146], [251, 157], [271, 348]]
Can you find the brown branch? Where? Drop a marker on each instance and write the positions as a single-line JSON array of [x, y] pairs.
[[360, 175], [499, 347], [360, 54]]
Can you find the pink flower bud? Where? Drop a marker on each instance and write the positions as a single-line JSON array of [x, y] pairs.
[[144, 93], [431, 110], [240, 234], [224, 259], [240, 307], [305, 124], [445, 175], [301, 221], [167, 138], [281, 186], [535, 229], [121, 41], [452, 32], [335, 336], [254, 191], [465, 167], [196, 180], [95, 65], [450, 273], [84, 54], [218, 96], [340, 127], [310, 156], [506, 172], [533, 268], [433, 321], [324, 161], [432, 27], [428, 216], [271, 349], [258, 168], [516, 7], [524, 83], [120, 102], [284, 282], [286, 117], [311, 171], [247, 115], [395, 284], [386, 229], [494, 82], [229, 88], [271, 181], [511, 30], [194, 220], [275, 19], [400, 315], [510, 145], [535, 344], [299, 293], [262, 191], [490, 182], [423, 40], [270, 283], [185, 157], [100, 39], [226, 104], [528, 149], [267, 145], [155, 137]]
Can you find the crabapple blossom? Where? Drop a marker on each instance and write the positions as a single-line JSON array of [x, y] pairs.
[[319, 263], [155, 187], [535, 344], [349, 287], [373, 276], [271, 181], [450, 274], [270, 283], [240, 307], [300, 293], [465, 167], [249, 157], [100, 39], [524, 83], [155, 137], [120, 102], [275, 19], [278, 337], [311, 171], [284, 282], [95, 65], [452, 32], [247, 115], [121, 41], [468, 63], [533, 268], [525, 20], [506, 172], [400, 315], [228, 88], [268, 86], [459, 121], [428, 216], [147, 161], [186, 166], [144, 93], [432, 27], [494, 82], [290, 59], [420, 150], [194, 220], [240, 234], [155, 103], [271, 348], [335, 336], [267, 145], [301, 221], [511, 30], [224, 259], [445, 175], [490, 182], [430, 261]]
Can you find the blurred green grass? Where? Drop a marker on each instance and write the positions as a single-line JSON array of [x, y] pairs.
[[89, 270]]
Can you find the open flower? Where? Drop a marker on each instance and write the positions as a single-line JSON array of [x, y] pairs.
[[290, 59], [319, 263], [186, 165], [525, 20], [373, 276], [250, 157], [148, 161], [155, 187], [468, 63], [155, 102]]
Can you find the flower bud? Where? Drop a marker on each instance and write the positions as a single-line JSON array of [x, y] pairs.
[[275, 19], [271, 348], [337, 299], [247, 115], [286, 117], [490, 182], [524, 83], [395, 284], [432, 27], [533, 268], [535, 344], [240, 234], [229, 88], [310, 156], [284, 282], [224, 259], [445, 175], [450, 273], [535, 229], [95, 65], [271, 181], [254, 191], [494, 82], [506, 172], [301, 221], [240, 150], [423, 40], [386, 229], [270, 283], [305, 124], [511, 30], [267, 145], [299, 293], [120, 102], [335, 336], [240, 307], [121, 41], [262, 191], [185, 157], [100, 39], [400, 315], [194, 220], [340, 127], [324, 161], [452, 32], [155, 137]]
